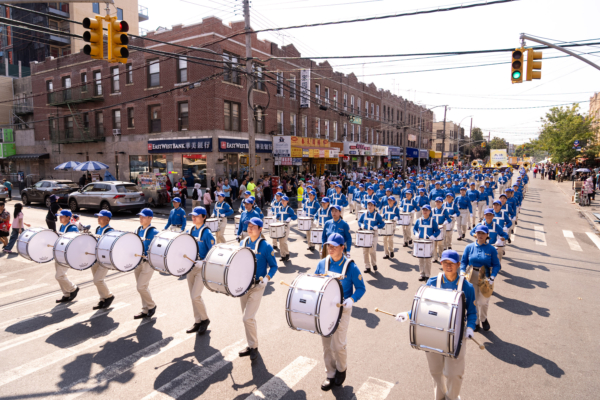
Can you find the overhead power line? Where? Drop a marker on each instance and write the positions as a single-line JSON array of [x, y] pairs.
[[520, 108]]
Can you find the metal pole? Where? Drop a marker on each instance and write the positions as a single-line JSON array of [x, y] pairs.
[[569, 52], [404, 140], [250, 80], [419, 155], [444, 137]]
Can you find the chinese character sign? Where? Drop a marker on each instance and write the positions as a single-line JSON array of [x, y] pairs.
[[305, 88]]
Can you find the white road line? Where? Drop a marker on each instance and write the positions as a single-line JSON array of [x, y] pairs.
[[186, 381], [22, 290], [540, 236], [64, 353], [573, 243], [2, 277], [22, 339], [84, 385], [594, 238], [11, 282], [280, 384], [373, 389]]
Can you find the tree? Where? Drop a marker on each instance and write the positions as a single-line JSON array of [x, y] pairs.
[[498, 143], [475, 150]]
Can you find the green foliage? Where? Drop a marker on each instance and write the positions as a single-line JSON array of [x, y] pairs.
[[498, 144], [475, 150]]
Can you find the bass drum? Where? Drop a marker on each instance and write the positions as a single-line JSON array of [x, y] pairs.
[[229, 269], [75, 250], [168, 250], [37, 244], [120, 251]]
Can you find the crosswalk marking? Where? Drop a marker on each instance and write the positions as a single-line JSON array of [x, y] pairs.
[[59, 307], [373, 389], [22, 290], [573, 243], [186, 381], [540, 236], [2, 277], [64, 353], [11, 282], [84, 385], [280, 384], [9, 344], [594, 238]]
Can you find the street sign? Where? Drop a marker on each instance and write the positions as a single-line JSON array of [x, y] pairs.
[[576, 143]]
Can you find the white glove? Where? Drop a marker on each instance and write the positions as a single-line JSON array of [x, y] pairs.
[[348, 255], [348, 302], [263, 283], [402, 317], [396, 219], [463, 273], [288, 220], [505, 230], [490, 281], [470, 333]]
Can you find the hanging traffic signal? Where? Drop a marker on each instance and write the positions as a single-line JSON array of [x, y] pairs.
[[94, 36], [534, 67], [117, 40], [516, 75]]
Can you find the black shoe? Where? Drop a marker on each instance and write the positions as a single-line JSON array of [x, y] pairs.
[[423, 279], [99, 306], [203, 326], [63, 299], [275, 248], [367, 270], [74, 293], [410, 242], [463, 236], [151, 312], [374, 267], [194, 328], [245, 352], [436, 262], [386, 257], [253, 354], [312, 248], [485, 325], [509, 241], [392, 254], [460, 238], [477, 328], [327, 384], [516, 223], [449, 247], [405, 245], [340, 377], [108, 302], [140, 315]]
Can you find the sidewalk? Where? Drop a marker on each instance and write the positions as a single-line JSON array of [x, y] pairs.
[[588, 211]]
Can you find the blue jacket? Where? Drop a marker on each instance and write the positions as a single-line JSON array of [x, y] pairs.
[[275, 206], [371, 221], [408, 206], [422, 200], [222, 210], [452, 208], [323, 215], [368, 197], [473, 195], [247, 216], [177, 217], [71, 228], [481, 256], [286, 213], [340, 226], [265, 256], [310, 208], [503, 219], [339, 200], [495, 231], [464, 203], [391, 213], [426, 228], [152, 231], [437, 193], [441, 215], [353, 279], [205, 243], [101, 230]]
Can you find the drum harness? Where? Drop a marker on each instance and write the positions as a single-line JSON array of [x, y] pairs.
[[67, 228], [320, 215], [370, 220], [422, 225], [107, 229], [309, 206], [258, 242], [218, 209], [388, 211], [337, 197], [335, 275], [137, 232]]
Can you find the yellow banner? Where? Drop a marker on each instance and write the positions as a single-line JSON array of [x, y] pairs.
[[296, 152], [309, 142], [334, 160], [498, 158]]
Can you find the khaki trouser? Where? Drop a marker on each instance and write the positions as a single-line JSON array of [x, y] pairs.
[[474, 213], [481, 301], [221, 231], [245, 235], [407, 233], [98, 275], [358, 208], [451, 369], [283, 242], [250, 303], [197, 203], [438, 248], [196, 286], [313, 225], [418, 215], [500, 251], [64, 282], [388, 242], [335, 352], [352, 206], [143, 274], [369, 254], [461, 222], [425, 267], [449, 233], [480, 209]]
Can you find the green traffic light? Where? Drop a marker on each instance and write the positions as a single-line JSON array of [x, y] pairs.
[[516, 75]]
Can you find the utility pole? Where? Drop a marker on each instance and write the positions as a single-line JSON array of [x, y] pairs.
[[250, 80], [404, 139], [471, 137], [444, 136], [419, 146]]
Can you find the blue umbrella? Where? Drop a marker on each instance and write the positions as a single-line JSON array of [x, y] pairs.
[[67, 166], [109, 177], [90, 166]]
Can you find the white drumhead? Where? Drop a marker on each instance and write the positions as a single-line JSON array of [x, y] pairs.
[[316, 236], [123, 254], [459, 323], [183, 244], [434, 310], [76, 256], [241, 271], [302, 301], [33, 244], [329, 313]]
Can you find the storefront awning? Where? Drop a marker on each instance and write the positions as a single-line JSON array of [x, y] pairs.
[[39, 156], [435, 154]]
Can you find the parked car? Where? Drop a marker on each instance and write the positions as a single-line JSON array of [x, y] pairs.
[[108, 195], [41, 191], [3, 192]]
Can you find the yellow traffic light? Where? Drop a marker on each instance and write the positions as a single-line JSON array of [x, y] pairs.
[[534, 67], [516, 75], [94, 36], [117, 40]]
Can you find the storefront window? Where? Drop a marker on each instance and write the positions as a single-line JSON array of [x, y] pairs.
[[137, 165], [159, 163], [194, 169]]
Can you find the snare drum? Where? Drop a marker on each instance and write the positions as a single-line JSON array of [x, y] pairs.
[[119, 250], [422, 248], [305, 223], [75, 250], [311, 304], [168, 250], [300, 212], [36, 244], [316, 235], [229, 269], [237, 222], [404, 219], [437, 321], [364, 239], [267, 221], [388, 229], [277, 230], [213, 224], [442, 234]]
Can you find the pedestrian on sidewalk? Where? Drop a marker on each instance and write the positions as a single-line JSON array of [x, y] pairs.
[[207, 200], [4, 224], [196, 196], [8, 186], [17, 227], [52, 211], [234, 188]]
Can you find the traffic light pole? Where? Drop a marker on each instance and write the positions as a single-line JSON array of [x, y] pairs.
[[250, 80], [569, 52]]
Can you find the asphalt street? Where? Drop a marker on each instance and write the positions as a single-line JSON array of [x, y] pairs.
[[542, 344]]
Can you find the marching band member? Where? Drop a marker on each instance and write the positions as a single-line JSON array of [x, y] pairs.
[[222, 210], [507, 210], [339, 199], [68, 288], [496, 233], [245, 195], [371, 221], [482, 257], [370, 196], [383, 201], [358, 199], [442, 217], [408, 205], [286, 215], [143, 273], [436, 192], [331, 190], [421, 199], [98, 272], [502, 218], [247, 215], [337, 265], [483, 203], [206, 241], [311, 207], [464, 203], [441, 367], [351, 197], [390, 212], [336, 225], [425, 228], [380, 193], [275, 205], [473, 196], [265, 256], [176, 222], [452, 207]]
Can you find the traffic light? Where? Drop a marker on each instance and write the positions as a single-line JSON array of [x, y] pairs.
[[94, 36], [534, 67], [516, 75], [117, 40], [482, 144]]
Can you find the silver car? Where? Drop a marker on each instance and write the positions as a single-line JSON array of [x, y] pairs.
[[109, 195]]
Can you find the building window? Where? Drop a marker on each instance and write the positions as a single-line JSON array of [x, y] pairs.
[[182, 70], [116, 119], [335, 98], [49, 89], [154, 115], [259, 83], [230, 65], [115, 84], [358, 106], [153, 73], [279, 83], [326, 128], [345, 102], [352, 104], [366, 109], [232, 116], [292, 81], [358, 133], [335, 131], [66, 84], [293, 122], [97, 83], [183, 116], [96, 8], [326, 94], [352, 132], [317, 129], [129, 73], [318, 93], [83, 82], [86, 121], [279, 123], [259, 116], [130, 120], [372, 110], [377, 112], [119, 14], [99, 123], [438, 147], [69, 126], [305, 125], [345, 131]]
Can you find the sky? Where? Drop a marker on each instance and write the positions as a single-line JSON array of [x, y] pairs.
[[484, 94]]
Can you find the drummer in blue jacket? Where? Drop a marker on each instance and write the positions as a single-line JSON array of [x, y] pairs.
[[339, 265], [482, 257], [427, 228], [443, 219], [69, 289], [286, 215], [311, 207], [473, 196], [98, 271], [176, 222], [410, 206], [143, 273], [440, 367], [464, 206], [206, 241], [371, 221], [247, 215], [339, 199], [265, 258], [391, 212], [221, 210], [497, 235], [336, 225]]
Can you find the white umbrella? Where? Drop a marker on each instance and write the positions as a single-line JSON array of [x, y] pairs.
[[90, 166], [583, 170], [67, 166]]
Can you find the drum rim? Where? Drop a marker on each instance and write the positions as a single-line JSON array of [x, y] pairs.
[[167, 250], [67, 247], [226, 270], [110, 251], [29, 242]]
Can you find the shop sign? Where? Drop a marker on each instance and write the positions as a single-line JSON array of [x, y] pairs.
[[282, 146], [263, 146], [358, 149], [354, 158], [7, 135], [297, 162], [355, 120], [231, 145], [412, 153], [195, 156], [334, 152], [296, 152], [326, 161], [385, 159], [394, 151], [379, 150], [369, 158], [412, 138], [308, 142], [305, 153], [180, 145], [345, 158], [424, 153], [305, 88], [283, 161], [8, 149]]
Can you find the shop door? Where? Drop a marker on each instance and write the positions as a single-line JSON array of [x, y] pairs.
[[232, 169]]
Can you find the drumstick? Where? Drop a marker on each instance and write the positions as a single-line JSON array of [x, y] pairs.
[[139, 255], [49, 245], [185, 256], [90, 254], [284, 283], [385, 312], [482, 347]]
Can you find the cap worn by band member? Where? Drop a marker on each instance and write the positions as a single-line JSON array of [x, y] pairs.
[[254, 221]]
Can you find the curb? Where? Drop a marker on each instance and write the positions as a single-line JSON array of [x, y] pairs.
[[592, 222]]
